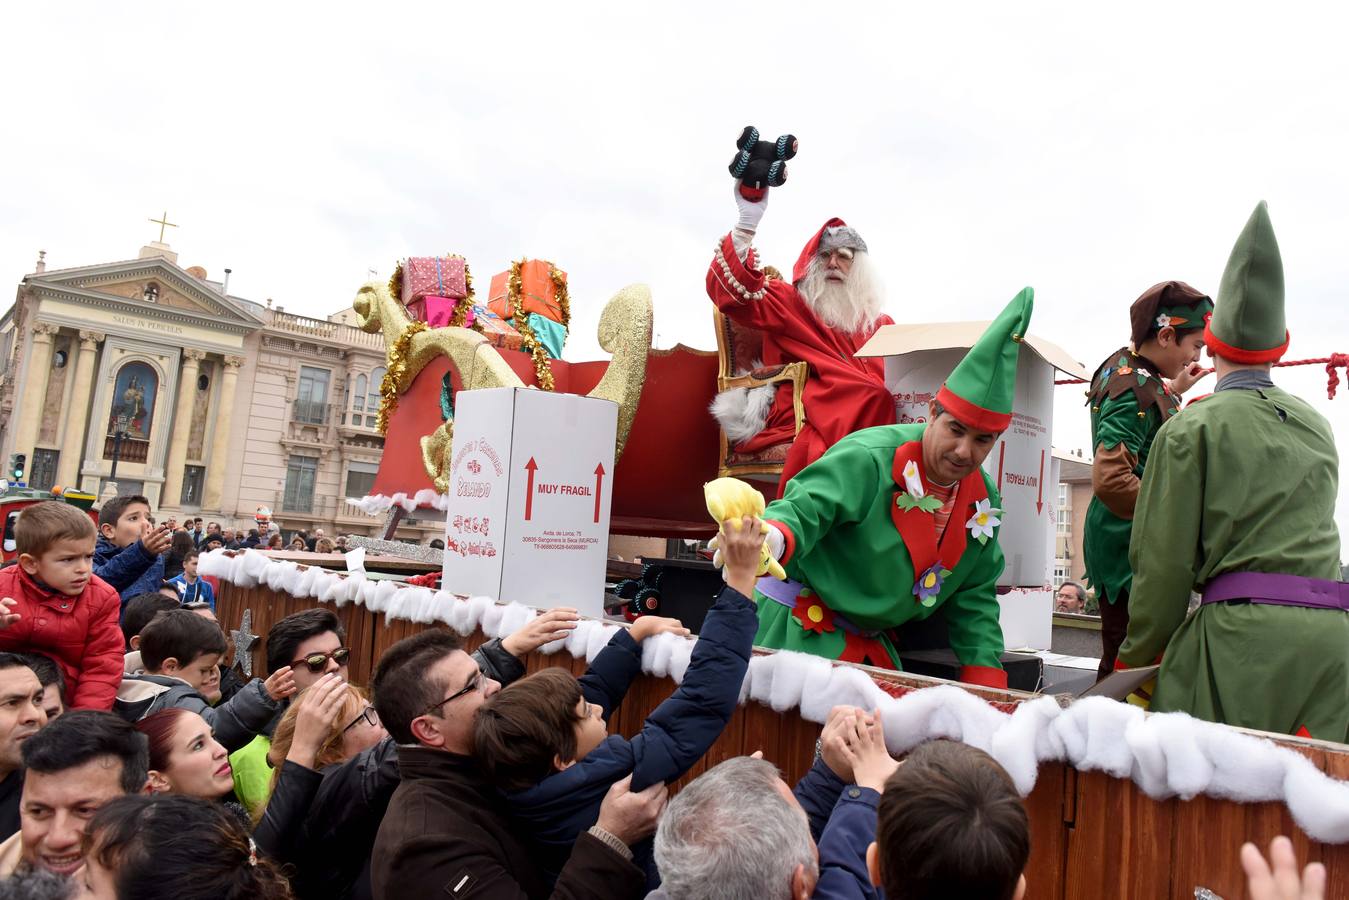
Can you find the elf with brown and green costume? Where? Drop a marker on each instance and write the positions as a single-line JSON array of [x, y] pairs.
[[1129, 402], [1238, 502], [899, 522]]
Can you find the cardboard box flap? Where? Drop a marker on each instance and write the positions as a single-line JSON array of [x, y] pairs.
[[896, 340]]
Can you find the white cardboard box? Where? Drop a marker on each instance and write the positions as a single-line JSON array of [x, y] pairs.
[[530, 492], [918, 359]]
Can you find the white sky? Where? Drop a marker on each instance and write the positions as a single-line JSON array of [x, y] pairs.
[[1087, 151]]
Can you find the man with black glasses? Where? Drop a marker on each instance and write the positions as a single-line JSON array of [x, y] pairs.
[[445, 832]]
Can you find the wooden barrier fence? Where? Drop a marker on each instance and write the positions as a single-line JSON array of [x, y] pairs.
[[1092, 836]]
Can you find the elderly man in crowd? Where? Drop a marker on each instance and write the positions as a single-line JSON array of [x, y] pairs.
[[1071, 597]]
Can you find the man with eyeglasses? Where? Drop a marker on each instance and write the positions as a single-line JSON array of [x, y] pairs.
[[823, 316], [1070, 598], [446, 832], [324, 823]]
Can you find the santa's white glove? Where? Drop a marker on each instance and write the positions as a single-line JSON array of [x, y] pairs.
[[750, 212]]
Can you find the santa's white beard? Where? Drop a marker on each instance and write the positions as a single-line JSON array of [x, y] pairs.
[[852, 305]]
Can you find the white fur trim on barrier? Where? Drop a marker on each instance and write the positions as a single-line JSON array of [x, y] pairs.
[[1165, 754], [375, 504]]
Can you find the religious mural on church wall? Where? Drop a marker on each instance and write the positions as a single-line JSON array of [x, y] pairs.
[[134, 396]]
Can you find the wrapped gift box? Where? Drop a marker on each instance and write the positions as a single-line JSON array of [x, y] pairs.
[[538, 293], [433, 276], [434, 311], [552, 335], [495, 329]]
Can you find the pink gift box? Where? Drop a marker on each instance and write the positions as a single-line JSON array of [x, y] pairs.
[[433, 276], [434, 311]]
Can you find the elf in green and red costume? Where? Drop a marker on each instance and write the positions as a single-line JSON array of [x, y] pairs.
[[899, 522], [1238, 503], [1129, 403]]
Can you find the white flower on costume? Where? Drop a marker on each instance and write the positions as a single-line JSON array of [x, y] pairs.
[[1163, 321], [984, 520], [912, 482]]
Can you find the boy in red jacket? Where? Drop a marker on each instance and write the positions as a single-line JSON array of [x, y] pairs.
[[53, 603]]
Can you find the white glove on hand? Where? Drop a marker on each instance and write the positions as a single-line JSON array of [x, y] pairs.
[[750, 212]]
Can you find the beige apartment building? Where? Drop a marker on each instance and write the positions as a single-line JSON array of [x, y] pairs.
[[223, 405]]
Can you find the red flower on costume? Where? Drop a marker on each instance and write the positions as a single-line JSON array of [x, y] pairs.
[[813, 615]]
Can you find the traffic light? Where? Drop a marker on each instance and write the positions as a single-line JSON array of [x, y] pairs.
[[18, 465]]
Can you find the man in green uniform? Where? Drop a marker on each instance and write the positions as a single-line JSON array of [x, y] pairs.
[[1238, 502], [1129, 402], [898, 522]]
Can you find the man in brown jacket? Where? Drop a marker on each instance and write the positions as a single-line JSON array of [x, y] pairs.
[[446, 832]]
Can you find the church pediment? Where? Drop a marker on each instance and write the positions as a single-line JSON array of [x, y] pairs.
[[151, 285]]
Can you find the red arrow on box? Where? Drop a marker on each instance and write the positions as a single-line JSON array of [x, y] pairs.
[[599, 489], [531, 467], [1040, 500]]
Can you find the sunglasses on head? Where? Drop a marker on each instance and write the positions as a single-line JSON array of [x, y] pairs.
[[317, 662]]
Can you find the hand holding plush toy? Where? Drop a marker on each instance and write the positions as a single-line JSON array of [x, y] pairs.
[[761, 164], [729, 500]]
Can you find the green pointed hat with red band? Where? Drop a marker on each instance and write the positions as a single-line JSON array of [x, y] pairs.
[[979, 392], [1248, 325]]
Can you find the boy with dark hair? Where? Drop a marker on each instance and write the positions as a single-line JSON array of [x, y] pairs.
[[192, 588], [129, 554], [73, 766], [181, 653], [544, 740], [1129, 404], [54, 604], [950, 824], [53, 683], [138, 613]]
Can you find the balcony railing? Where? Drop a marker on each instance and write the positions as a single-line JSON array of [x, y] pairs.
[[132, 450], [311, 412], [325, 330]]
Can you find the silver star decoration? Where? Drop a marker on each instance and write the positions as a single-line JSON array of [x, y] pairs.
[[244, 642]]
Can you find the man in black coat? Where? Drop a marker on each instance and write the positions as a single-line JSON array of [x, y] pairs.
[[446, 832]]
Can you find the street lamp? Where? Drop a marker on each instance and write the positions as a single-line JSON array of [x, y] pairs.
[[119, 432]]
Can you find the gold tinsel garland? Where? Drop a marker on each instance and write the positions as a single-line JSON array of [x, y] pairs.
[[396, 374], [529, 341]]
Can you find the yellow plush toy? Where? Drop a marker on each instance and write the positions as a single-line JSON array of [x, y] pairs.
[[731, 499]]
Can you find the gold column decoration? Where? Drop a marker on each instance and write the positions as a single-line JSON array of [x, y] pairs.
[[215, 468], [34, 395], [77, 420], [172, 497]]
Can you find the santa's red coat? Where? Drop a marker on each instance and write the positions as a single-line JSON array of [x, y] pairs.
[[843, 393]]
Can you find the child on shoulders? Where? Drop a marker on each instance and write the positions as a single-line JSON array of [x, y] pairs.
[[53, 603], [129, 554]]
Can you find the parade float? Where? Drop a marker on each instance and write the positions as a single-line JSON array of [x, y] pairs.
[[1122, 802]]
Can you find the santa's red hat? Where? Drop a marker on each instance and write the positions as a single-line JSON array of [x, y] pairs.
[[835, 235]]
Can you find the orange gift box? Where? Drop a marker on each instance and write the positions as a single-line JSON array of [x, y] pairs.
[[538, 294], [497, 330]]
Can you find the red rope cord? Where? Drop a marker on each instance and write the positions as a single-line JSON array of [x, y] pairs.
[[1332, 362]]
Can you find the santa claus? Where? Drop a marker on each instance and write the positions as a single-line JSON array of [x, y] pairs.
[[831, 308]]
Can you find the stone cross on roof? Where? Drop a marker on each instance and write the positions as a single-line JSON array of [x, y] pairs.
[[163, 222]]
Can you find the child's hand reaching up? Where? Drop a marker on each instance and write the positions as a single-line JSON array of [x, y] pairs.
[[872, 763], [646, 626], [280, 684], [7, 616], [740, 543]]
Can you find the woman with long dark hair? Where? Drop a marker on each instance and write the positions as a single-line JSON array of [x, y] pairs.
[[172, 847]]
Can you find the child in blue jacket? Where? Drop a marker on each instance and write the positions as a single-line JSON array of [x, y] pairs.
[[129, 553], [544, 741]]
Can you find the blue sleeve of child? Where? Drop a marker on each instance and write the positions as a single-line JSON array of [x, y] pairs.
[[609, 676], [677, 734], [122, 568], [817, 792], [843, 847]]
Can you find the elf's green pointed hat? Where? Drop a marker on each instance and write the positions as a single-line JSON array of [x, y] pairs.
[[1248, 325], [979, 392]]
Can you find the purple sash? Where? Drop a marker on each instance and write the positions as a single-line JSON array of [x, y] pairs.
[[1278, 590]]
